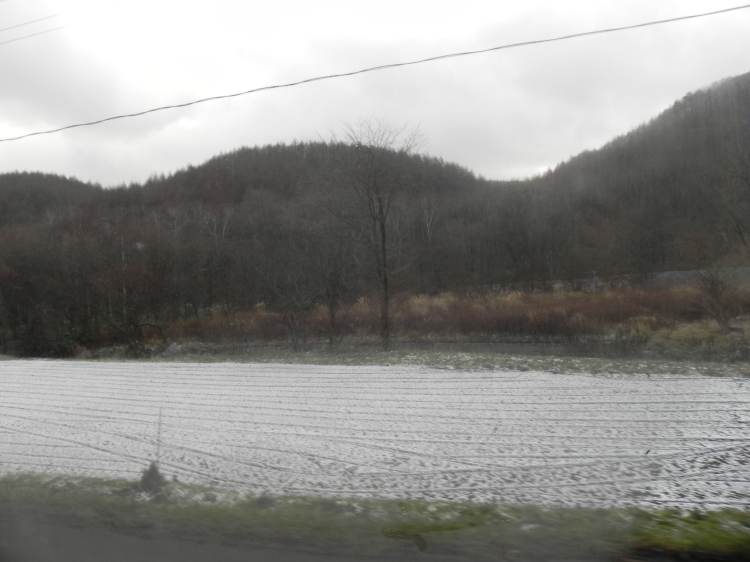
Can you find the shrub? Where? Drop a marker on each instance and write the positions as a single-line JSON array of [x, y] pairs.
[[151, 480]]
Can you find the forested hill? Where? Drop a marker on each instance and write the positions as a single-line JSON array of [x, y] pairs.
[[668, 191], [28, 198], [286, 226]]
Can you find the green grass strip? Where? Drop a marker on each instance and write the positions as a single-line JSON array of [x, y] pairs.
[[372, 525]]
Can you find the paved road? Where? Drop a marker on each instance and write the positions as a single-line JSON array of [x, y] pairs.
[[64, 544], [25, 538]]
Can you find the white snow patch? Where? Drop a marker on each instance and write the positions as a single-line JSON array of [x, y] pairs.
[[346, 431]]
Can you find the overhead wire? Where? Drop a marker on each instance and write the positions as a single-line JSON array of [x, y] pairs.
[[29, 22], [33, 34], [375, 68]]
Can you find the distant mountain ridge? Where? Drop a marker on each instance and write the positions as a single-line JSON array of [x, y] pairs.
[[683, 175], [28, 197], [665, 164], [281, 226]]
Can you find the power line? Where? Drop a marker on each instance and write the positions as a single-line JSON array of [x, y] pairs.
[[29, 22], [374, 68], [32, 35]]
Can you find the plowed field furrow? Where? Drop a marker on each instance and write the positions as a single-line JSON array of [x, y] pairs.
[[386, 431]]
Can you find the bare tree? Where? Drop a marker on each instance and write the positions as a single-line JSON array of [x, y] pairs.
[[331, 261], [719, 296], [285, 267], [718, 287], [732, 194], [375, 169]]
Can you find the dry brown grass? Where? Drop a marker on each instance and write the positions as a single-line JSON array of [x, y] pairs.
[[628, 313], [559, 314], [258, 324]]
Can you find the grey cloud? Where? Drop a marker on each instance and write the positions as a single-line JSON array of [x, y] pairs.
[[505, 114], [52, 84]]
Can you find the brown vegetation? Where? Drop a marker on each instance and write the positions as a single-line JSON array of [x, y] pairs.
[[625, 313]]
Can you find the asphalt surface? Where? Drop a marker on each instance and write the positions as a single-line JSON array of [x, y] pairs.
[[25, 537], [64, 544]]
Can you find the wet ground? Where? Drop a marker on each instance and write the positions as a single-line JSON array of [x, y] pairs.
[[28, 538]]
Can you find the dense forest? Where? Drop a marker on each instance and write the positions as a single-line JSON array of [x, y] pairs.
[[319, 226]]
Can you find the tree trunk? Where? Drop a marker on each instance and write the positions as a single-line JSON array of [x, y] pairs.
[[331, 321], [385, 319]]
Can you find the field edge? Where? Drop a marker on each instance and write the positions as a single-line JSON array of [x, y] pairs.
[[375, 526]]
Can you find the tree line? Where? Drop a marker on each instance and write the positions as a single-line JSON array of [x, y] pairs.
[[291, 227]]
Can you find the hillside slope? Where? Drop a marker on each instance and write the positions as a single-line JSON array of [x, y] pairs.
[[286, 227]]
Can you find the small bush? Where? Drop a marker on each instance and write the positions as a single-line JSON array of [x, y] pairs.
[[701, 340], [152, 481]]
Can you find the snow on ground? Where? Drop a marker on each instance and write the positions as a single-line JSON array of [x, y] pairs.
[[513, 437]]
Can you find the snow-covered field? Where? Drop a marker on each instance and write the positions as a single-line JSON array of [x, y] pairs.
[[516, 437]]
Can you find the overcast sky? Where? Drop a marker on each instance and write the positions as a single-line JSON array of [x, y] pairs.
[[505, 114]]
